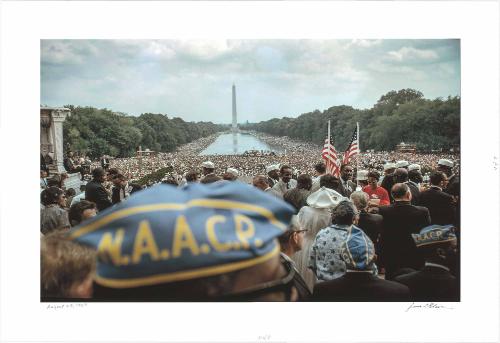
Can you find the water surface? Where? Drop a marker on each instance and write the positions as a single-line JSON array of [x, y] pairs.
[[235, 144]]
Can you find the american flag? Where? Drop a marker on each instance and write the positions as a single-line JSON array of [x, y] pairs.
[[352, 149], [329, 154]]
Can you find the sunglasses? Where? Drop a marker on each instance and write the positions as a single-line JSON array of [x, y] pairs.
[[284, 285]]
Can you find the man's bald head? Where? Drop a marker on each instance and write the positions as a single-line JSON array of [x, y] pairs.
[[260, 181], [401, 192]]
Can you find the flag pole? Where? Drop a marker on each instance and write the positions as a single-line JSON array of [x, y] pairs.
[[358, 155], [328, 144]]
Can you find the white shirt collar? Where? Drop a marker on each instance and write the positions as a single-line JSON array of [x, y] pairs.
[[429, 264]]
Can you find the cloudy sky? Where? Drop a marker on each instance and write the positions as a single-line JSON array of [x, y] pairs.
[[274, 78]]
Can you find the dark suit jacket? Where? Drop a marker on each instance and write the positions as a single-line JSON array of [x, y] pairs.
[[360, 287], [453, 187], [431, 284], [440, 205], [344, 191], [371, 224], [115, 194], [387, 184], [415, 192], [398, 249], [298, 281], [105, 163], [95, 192]]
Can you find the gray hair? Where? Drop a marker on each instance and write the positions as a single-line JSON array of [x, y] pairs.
[[294, 224], [344, 213], [360, 200]]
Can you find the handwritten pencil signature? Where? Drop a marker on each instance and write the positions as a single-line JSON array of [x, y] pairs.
[[65, 306], [428, 306]]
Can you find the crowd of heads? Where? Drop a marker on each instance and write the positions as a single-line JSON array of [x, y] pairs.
[[293, 181]]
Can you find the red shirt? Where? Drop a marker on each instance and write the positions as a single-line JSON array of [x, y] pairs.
[[378, 193]]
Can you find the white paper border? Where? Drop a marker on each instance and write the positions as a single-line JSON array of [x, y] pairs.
[[25, 23]]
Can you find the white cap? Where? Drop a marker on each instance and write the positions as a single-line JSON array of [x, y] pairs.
[[324, 198], [445, 162], [272, 167], [402, 164], [389, 165], [414, 167], [233, 171], [208, 164], [362, 175]]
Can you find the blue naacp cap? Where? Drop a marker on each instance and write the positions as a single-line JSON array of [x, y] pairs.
[[357, 251], [166, 234], [434, 234]]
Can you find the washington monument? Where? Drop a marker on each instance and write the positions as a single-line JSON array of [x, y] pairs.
[[235, 121]]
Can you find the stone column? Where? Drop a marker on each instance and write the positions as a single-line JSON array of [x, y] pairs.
[[58, 116]]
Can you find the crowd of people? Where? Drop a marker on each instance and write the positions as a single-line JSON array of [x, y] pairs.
[[300, 155], [209, 231]]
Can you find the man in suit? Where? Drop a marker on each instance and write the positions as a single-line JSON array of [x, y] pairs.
[[359, 283], [272, 173], [435, 281], [453, 185], [440, 204], [105, 162], [260, 181], [292, 241], [370, 223], [401, 219], [286, 181], [95, 191], [401, 176], [319, 171], [346, 185], [297, 197], [118, 192]]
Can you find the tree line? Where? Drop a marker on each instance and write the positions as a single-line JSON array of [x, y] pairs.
[[398, 116], [98, 132]]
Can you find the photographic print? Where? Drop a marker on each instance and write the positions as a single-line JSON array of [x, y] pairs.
[[250, 170]]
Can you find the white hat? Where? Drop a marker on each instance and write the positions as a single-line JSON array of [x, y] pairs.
[[362, 175], [208, 164], [233, 171], [414, 167], [272, 167], [389, 165], [445, 162], [402, 164], [324, 198]]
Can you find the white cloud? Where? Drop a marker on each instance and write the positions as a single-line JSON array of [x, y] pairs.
[[409, 54], [364, 43], [193, 78]]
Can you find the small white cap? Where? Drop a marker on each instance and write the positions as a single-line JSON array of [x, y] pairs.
[[272, 167], [324, 198], [445, 162], [388, 166], [414, 167], [233, 171], [362, 175], [402, 164], [208, 164]]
